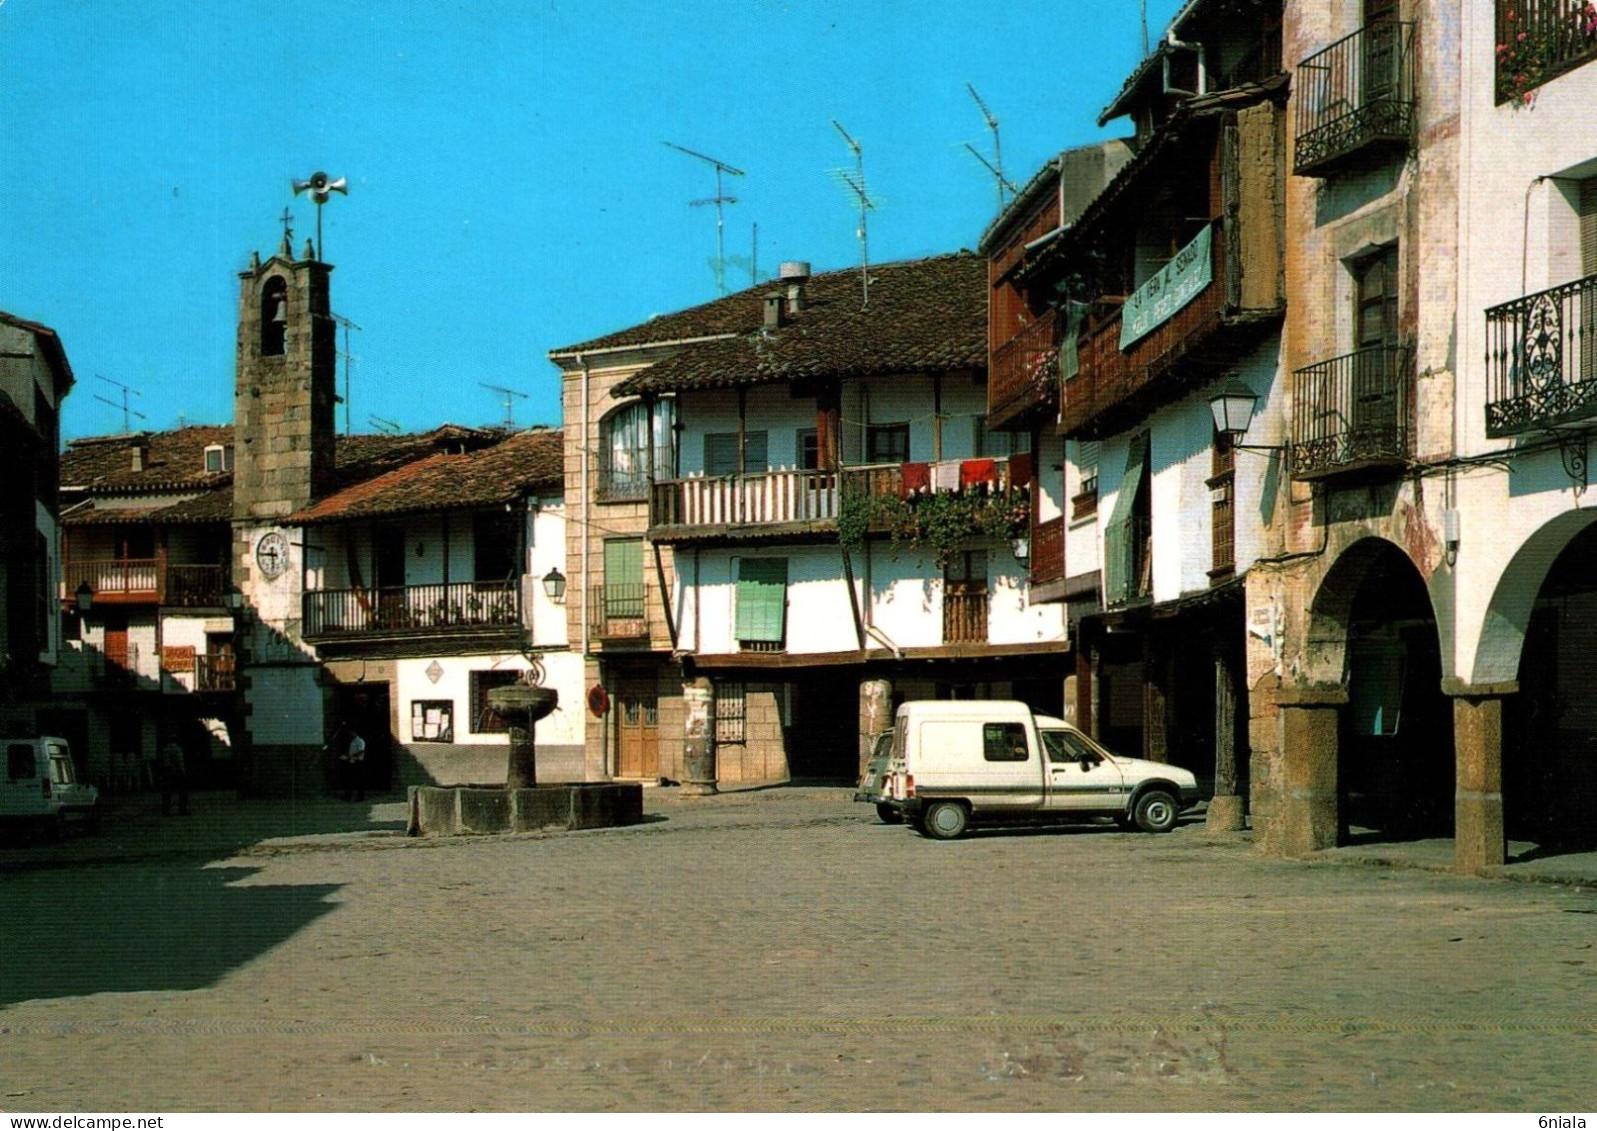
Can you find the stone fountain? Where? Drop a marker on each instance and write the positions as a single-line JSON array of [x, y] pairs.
[[521, 804]]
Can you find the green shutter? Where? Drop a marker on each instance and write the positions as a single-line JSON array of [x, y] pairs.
[[623, 578], [762, 599], [1119, 549]]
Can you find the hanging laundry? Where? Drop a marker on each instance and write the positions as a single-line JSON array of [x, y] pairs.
[[917, 480]]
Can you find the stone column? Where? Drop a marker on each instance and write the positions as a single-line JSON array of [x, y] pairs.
[[521, 705], [875, 715], [1307, 792], [1225, 808], [1479, 844], [698, 752]]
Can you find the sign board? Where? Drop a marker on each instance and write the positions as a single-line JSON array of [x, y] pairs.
[[1176, 284]]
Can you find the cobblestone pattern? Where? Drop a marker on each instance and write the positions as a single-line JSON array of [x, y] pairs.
[[781, 950]]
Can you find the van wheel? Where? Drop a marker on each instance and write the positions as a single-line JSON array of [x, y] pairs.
[[887, 814], [1156, 812], [945, 820]]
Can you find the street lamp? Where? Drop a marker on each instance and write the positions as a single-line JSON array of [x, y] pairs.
[[1232, 408], [554, 585], [234, 598], [83, 596]]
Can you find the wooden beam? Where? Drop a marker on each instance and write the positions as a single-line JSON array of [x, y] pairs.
[[665, 596]]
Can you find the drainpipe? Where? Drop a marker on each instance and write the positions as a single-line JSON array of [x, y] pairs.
[[877, 634], [1203, 71], [587, 507]]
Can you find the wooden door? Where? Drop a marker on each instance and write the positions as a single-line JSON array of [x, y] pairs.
[[638, 732]]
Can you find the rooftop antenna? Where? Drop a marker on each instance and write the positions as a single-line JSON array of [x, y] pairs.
[[1144, 29], [348, 357], [321, 187], [384, 425], [509, 395], [718, 200], [856, 184], [754, 256], [996, 165], [126, 410]]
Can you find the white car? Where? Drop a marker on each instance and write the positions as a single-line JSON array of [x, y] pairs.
[[41, 786]]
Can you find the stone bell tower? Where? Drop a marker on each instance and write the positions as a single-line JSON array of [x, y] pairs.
[[283, 459], [284, 384]]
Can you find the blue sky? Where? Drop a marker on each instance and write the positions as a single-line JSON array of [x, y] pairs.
[[509, 189]]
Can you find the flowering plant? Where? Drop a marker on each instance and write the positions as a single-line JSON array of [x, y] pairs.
[[1535, 47]]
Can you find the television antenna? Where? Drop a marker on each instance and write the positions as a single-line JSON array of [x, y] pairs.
[[127, 411], [509, 395], [856, 184], [321, 187], [996, 165], [384, 425], [719, 199], [347, 325]]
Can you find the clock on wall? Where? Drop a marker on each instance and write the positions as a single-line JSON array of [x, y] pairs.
[[271, 554]]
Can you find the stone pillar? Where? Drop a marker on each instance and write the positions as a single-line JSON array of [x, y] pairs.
[[875, 715], [1479, 844], [1225, 808], [1307, 791], [1155, 700], [698, 753], [521, 705]]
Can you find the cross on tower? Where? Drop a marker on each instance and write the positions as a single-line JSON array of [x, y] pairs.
[[288, 219]]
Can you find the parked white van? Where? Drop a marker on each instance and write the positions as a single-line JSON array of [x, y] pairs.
[[41, 785], [975, 760]]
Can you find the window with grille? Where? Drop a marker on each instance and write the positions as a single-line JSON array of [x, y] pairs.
[[1222, 496], [483, 719], [731, 713]]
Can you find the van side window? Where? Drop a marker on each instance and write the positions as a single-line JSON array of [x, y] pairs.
[[19, 761], [1004, 742], [1062, 746]]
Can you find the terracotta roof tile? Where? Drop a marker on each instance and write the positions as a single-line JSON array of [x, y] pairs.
[[925, 315], [500, 474]]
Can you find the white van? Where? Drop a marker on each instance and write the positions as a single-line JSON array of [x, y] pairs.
[[975, 760], [41, 786]]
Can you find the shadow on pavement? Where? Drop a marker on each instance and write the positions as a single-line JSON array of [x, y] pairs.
[[142, 927]]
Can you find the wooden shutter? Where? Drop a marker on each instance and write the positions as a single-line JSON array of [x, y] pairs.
[[762, 599], [1588, 226]]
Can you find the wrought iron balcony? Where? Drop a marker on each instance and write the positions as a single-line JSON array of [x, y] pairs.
[[618, 611], [196, 586], [1541, 359], [1353, 413], [1538, 40], [425, 610], [1355, 99], [214, 672]]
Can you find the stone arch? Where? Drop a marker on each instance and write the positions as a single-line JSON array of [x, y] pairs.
[[1331, 611], [274, 317], [1502, 638]]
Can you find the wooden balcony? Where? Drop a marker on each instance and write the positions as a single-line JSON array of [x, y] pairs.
[[1113, 385], [1541, 359], [706, 507], [965, 617], [1048, 552], [1023, 373], [413, 610], [147, 581], [1353, 413], [1355, 100]]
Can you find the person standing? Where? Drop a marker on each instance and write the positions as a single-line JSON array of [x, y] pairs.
[[354, 758], [174, 779]]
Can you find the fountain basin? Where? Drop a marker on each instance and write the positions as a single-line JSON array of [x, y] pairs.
[[469, 810]]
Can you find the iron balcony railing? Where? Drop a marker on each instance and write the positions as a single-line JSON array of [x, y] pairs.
[[214, 672], [1541, 359], [618, 611], [1356, 95], [413, 609], [1353, 412], [196, 586]]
